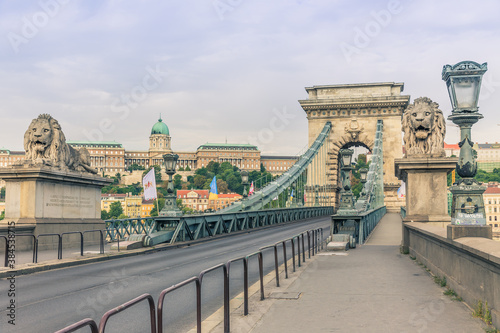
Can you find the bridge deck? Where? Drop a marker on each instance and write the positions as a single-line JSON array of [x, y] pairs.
[[373, 288]]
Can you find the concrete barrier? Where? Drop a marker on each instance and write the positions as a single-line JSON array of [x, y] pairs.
[[471, 265]]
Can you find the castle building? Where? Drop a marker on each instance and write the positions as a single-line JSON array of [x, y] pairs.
[[110, 157]]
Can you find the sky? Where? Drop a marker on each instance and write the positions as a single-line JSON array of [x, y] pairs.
[[220, 70]]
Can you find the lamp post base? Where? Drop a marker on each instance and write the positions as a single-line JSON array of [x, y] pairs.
[[458, 231], [170, 209], [467, 207]]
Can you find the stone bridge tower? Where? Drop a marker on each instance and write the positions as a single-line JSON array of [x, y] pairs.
[[354, 110]]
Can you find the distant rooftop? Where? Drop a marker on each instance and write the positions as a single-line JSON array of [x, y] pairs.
[[228, 146], [269, 157], [113, 144]]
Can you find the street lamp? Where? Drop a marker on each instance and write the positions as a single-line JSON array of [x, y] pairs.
[[244, 182], [463, 81], [363, 173], [170, 208], [316, 199], [346, 197]]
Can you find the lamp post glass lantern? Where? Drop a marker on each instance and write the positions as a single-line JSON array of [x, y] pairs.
[[244, 182], [463, 81], [170, 208], [363, 173]]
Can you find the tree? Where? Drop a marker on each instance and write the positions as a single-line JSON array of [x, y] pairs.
[[2, 215], [224, 167], [213, 167], [222, 186], [123, 216], [157, 173], [104, 215], [187, 168], [115, 210], [177, 182], [161, 203], [180, 169], [2, 193], [135, 166], [199, 181]]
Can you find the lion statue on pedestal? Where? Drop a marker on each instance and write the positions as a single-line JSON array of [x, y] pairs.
[[45, 144], [424, 128]]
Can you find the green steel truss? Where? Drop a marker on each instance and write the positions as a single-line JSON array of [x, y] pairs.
[[265, 195], [193, 227]]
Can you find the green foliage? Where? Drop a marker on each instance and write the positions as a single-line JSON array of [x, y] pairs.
[[123, 216], [487, 314], [440, 281], [104, 215], [161, 203], [485, 177], [157, 173], [356, 184], [478, 310], [2, 215], [453, 295], [187, 168], [213, 167], [135, 189], [177, 182], [115, 210], [180, 169], [2, 193], [135, 167]]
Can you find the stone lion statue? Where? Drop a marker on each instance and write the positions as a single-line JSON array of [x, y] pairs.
[[45, 144], [424, 128]]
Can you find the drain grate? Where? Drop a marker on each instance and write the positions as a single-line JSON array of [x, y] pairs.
[[285, 295]]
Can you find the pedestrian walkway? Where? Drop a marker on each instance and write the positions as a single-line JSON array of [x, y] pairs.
[[372, 288]]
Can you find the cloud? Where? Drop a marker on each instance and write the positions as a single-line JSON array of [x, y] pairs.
[[225, 77]]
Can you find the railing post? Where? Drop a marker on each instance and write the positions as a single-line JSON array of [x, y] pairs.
[[261, 272], [303, 249], [59, 247], [285, 260], [276, 266], [293, 253], [81, 244], [308, 244], [245, 287]]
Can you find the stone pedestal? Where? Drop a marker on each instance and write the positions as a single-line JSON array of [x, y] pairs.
[[458, 231], [426, 187], [41, 200]]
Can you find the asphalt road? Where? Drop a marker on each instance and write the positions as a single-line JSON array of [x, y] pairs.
[[49, 301]]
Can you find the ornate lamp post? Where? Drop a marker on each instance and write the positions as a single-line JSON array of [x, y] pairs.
[[316, 197], [170, 208], [346, 197], [244, 182], [464, 82]]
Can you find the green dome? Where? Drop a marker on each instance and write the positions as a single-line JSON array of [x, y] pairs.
[[160, 128]]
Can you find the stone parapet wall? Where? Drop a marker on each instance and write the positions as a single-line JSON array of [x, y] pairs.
[[471, 265]]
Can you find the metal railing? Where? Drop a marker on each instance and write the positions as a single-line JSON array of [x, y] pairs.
[[59, 243], [315, 243]]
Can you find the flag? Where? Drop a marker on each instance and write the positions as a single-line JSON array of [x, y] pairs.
[[214, 195], [149, 185], [291, 195], [402, 191], [250, 192], [305, 197]]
